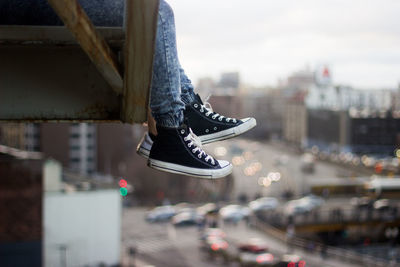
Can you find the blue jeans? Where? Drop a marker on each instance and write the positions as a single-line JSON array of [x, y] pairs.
[[170, 89]]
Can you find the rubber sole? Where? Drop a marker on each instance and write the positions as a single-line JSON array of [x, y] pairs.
[[143, 152], [229, 133], [195, 172]]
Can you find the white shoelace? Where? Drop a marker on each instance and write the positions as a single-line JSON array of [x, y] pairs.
[[196, 142], [207, 106]]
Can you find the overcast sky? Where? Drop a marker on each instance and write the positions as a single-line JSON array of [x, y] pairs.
[[266, 40]]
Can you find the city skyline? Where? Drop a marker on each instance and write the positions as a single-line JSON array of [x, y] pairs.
[[266, 41]]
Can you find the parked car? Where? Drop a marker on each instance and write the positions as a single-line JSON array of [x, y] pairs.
[[303, 205], [313, 201], [255, 252], [264, 204], [207, 208], [234, 213], [160, 214], [187, 217]]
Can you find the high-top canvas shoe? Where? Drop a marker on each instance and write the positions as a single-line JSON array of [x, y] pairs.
[[176, 150], [210, 126], [144, 146]]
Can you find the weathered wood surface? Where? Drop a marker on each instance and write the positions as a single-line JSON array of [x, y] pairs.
[[54, 35], [76, 20], [53, 83], [141, 27]]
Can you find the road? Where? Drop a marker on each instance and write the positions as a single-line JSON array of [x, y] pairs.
[[262, 157], [167, 246], [160, 244]]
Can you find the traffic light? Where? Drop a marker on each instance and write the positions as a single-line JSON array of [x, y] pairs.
[[123, 190]]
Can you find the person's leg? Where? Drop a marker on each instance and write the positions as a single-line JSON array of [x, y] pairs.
[[165, 95], [187, 88], [174, 149]]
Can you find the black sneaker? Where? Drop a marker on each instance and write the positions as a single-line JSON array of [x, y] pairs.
[[145, 144], [210, 126], [176, 150]]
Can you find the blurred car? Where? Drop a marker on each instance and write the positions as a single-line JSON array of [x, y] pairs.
[[303, 205], [215, 246], [213, 232], [181, 207], [255, 253], [290, 260], [382, 204], [187, 217], [307, 163], [234, 213], [313, 201], [264, 204], [160, 214], [361, 202], [207, 208]]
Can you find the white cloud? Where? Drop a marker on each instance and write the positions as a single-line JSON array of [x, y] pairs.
[[266, 40]]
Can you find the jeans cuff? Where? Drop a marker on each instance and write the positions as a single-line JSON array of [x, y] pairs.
[[188, 97], [169, 120]]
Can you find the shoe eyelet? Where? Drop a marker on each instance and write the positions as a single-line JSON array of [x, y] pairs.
[[193, 151], [183, 131], [215, 128], [207, 130], [189, 146], [199, 156], [196, 106], [220, 119]]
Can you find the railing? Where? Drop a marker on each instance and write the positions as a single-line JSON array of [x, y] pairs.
[[328, 251], [334, 216]]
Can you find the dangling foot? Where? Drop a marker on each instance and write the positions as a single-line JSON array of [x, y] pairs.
[[176, 150], [210, 126], [144, 147]]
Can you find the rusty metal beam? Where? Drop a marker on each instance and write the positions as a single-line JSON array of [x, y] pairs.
[[76, 20], [141, 27]]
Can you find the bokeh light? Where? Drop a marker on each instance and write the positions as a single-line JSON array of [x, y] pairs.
[[238, 160], [123, 183], [123, 191], [220, 151]]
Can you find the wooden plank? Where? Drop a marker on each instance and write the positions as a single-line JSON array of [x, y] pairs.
[[76, 20], [53, 83], [141, 26], [54, 35]]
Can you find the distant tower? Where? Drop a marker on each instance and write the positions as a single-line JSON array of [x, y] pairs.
[[82, 148]]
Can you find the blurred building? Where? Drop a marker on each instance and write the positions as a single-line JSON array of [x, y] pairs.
[[21, 209], [89, 148], [21, 136], [294, 114], [78, 219], [343, 131], [338, 118], [47, 219], [344, 98], [295, 120]]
